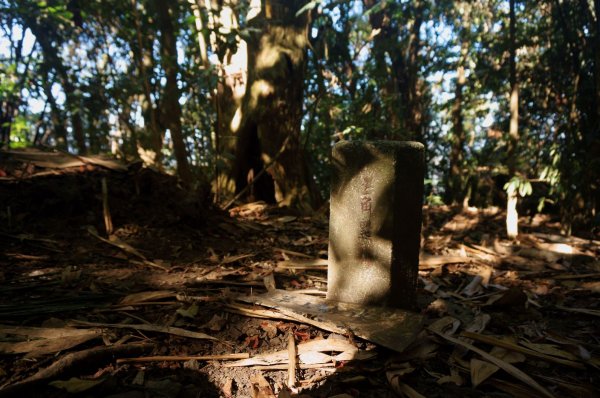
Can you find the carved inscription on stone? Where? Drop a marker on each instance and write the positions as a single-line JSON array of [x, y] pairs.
[[366, 203]]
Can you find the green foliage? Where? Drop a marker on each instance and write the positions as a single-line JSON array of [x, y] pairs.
[[519, 185], [19, 133], [374, 70]]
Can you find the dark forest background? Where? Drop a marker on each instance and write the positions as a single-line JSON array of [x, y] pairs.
[[504, 94]]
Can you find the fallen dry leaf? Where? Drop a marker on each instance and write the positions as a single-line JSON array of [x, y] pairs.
[[261, 387]]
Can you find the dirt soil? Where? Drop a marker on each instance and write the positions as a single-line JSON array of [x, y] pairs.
[[81, 311]]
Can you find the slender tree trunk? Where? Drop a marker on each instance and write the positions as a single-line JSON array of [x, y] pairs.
[[195, 7], [413, 111], [171, 111], [512, 217], [597, 55], [596, 143], [56, 116], [230, 91], [145, 62], [72, 100], [400, 89], [128, 131], [74, 107], [456, 179], [457, 144], [7, 114]]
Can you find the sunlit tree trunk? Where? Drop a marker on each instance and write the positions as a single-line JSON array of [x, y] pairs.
[[171, 109], [259, 104], [200, 25], [272, 107], [232, 71], [512, 217]]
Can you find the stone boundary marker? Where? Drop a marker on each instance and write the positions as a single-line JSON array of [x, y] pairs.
[[375, 222]]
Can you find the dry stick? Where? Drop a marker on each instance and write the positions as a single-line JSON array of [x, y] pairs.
[[513, 347], [128, 249], [325, 366], [260, 173], [292, 353], [107, 218], [507, 367], [150, 328], [176, 358], [579, 310], [255, 312]]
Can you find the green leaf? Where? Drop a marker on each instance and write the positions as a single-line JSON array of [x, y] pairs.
[[525, 188], [541, 204], [308, 6]]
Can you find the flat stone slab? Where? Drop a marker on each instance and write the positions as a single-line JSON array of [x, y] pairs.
[[389, 327], [375, 222]]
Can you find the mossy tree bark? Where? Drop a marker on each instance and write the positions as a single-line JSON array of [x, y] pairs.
[[270, 114]]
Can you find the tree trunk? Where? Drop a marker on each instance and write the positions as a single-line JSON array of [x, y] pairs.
[[7, 114], [400, 89], [231, 88], [149, 109], [272, 108], [512, 217], [456, 178], [60, 131], [595, 152], [53, 61], [457, 144], [171, 111]]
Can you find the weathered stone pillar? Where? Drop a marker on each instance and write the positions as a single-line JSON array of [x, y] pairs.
[[375, 222]]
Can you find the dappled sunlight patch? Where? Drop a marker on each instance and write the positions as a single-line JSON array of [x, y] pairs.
[[260, 89]]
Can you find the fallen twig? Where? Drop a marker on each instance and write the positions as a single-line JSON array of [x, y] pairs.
[[513, 347], [127, 249], [149, 328], [178, 358], [510, 369], [105, 209], [292, 352]]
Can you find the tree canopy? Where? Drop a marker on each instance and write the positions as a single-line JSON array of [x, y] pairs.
[[249, 96]]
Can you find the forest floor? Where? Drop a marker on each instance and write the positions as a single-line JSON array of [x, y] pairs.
[[152, 310]]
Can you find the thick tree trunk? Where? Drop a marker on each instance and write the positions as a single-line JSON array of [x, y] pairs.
[[171, 111], [272, 108]]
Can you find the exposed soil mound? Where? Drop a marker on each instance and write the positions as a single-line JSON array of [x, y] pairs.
[[51, 198]]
